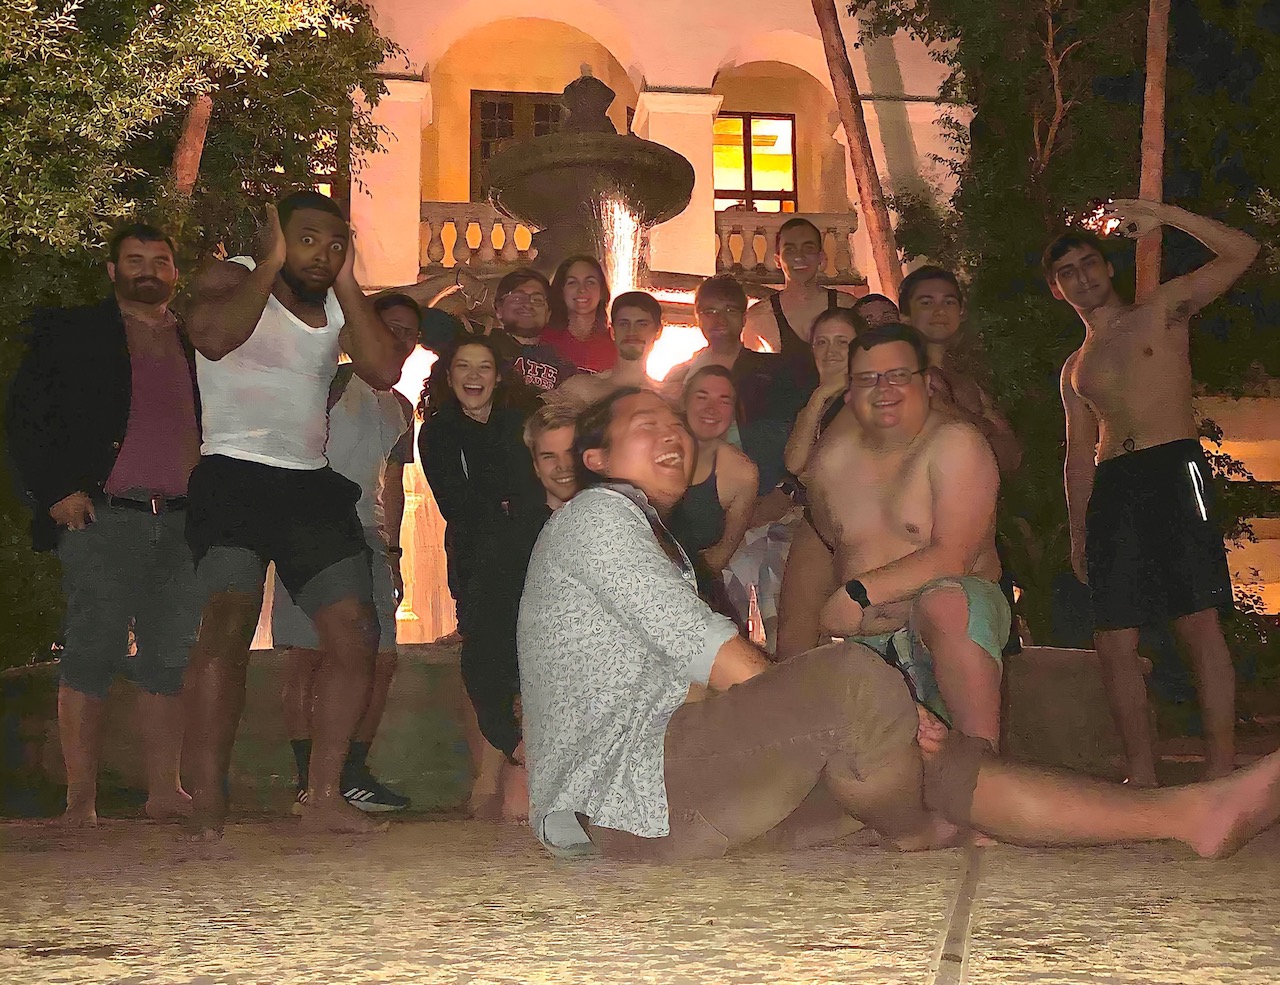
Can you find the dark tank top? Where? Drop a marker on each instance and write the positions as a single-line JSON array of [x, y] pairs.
[[697, 521]]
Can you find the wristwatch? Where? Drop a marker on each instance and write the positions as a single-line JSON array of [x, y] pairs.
[[858, 592]]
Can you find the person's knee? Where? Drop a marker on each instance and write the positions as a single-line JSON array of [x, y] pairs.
[[849, 681], [941, 611]]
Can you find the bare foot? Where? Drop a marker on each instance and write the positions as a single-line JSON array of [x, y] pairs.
[[204, 825], [515, 794], [170, 806], [338, 817], [79, 816], [1233, 810], [938, 833], [931, 733]]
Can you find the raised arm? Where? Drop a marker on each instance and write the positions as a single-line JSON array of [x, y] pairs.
[[227, 299], [1184, 296], [740, 478], [373, 348], [759, 331], [1082, 450], [963, 483], [804, 433]]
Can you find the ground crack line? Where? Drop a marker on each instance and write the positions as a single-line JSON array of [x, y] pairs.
[[952, 956]]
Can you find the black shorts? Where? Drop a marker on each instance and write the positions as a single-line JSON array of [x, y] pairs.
[[302, 519], [1153, 550]]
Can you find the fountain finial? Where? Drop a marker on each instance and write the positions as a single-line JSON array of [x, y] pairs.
[[588, 100]]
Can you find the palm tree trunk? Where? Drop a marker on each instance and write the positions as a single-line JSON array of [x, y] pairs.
[[1151, 185], [875, 214], [186, 156]]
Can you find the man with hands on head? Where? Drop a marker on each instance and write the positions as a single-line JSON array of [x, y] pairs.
[[268, 336]]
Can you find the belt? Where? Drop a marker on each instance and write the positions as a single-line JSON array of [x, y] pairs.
[[155, 505]]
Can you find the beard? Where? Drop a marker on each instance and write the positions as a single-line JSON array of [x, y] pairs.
[[303, 291], [144, 290]]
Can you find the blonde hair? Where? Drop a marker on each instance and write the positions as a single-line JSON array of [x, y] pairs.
[[549, 417]]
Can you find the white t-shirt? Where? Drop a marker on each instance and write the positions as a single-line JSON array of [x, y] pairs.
[[364, 425], [266, 401]]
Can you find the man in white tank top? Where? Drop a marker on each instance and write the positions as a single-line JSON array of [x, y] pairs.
[[267, 337]]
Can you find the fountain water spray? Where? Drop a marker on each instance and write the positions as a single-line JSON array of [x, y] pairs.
[[620, 235]]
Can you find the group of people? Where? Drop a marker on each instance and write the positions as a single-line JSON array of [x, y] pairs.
[[833, 459]]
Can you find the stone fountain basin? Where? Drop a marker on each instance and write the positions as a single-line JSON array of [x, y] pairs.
[[559, 178]]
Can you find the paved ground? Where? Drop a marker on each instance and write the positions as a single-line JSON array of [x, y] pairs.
[[459, 902]]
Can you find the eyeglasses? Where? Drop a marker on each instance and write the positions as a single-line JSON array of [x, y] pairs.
[[533, 300], [728, 309], [894, 377]]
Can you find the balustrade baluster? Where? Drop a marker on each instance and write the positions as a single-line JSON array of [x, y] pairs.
[[510, 254], [435, 242], [485, 251]]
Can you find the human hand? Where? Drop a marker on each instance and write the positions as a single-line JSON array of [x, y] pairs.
[[397, 582], [271, 242], [1078, 564], [833, 384], [1136, 218], [347, 275], [841, 615], [930, 733], [940, 389], [75, 512]]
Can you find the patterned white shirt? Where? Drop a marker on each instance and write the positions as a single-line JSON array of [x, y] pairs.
[[611, 634]]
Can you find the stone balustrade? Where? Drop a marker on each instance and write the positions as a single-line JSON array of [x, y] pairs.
[[473, 234], [745, 245]]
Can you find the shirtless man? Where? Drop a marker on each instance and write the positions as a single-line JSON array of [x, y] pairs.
[[914, 552], [1142, 535], [933, 304], [635, 322], [786, 322]]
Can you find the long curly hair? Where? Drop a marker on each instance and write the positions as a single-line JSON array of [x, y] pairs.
[[559, 317], [436, 391]]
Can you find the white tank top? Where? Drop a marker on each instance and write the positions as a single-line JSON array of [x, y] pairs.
[[266, 401], [364, 425]]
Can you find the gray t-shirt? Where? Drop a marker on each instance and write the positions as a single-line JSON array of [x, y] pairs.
[[610, 636]]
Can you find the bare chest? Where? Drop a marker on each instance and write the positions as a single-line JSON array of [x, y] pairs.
[[864, 502], [1133, 351]]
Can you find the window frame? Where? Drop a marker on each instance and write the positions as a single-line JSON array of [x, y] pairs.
[[747, 194]]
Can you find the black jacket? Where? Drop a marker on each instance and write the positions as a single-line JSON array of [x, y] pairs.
[[68, 407], [497, 478]]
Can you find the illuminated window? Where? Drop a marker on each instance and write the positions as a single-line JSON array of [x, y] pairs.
[[755, 162], [500, 118]]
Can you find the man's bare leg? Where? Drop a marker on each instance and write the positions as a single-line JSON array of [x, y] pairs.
[[80, 730], [384, 672], [968, 678], [1202, 639], [348, 631], [298, 692], [213, 692], [163, 717], [1127, 695], [807, 582], [1037, 807]]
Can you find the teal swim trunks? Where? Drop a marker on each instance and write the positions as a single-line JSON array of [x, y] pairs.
[[989, 621]]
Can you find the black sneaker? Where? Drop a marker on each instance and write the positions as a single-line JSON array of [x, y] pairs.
[[367, 794]]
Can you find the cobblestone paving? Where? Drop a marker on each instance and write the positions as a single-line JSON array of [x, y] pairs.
[[458, 902]]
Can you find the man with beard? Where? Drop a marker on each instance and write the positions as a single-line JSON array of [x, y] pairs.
[[520, 302], [635, 323], [103, 426], [267, 336], [1139, 491]]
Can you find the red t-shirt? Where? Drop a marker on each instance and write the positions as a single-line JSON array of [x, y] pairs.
[[594, 354]]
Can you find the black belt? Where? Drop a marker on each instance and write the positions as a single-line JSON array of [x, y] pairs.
[[155, 505]]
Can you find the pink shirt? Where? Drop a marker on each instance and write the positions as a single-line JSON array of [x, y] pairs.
[[161, 441]]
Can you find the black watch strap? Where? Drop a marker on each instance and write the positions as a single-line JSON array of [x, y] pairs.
[[858, 592]]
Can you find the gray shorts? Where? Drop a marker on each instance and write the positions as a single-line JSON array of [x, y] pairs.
[[291, 627], [128, 566]]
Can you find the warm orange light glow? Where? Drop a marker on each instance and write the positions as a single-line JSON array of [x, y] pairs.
[[677, 343], [416, 369]]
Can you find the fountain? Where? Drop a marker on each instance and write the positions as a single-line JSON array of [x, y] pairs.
[[590, 189]]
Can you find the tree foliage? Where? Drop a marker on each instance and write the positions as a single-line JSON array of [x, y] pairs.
[[93, 94], [1055, 91]]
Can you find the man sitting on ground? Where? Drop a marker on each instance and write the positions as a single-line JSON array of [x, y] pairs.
[[916, 573], [612, 637], [635, 322]]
